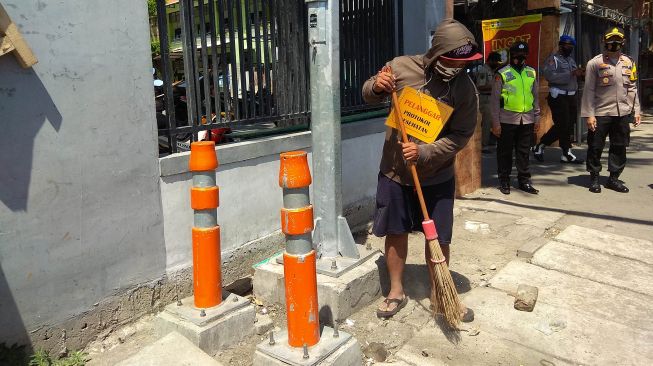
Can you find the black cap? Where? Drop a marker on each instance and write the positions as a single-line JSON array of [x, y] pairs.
[[466, 52], [519, 47]]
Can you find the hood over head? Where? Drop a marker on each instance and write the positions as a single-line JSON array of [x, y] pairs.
[[449, 35]]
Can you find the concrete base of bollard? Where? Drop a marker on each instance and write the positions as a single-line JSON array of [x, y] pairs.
[[173, 349], [343, 350], [339, 297], [222, 326]]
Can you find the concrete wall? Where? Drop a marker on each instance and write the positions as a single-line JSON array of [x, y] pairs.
[[250, 197], [80, 209]]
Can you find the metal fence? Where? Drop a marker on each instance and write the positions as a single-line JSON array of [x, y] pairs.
[[245, 64]]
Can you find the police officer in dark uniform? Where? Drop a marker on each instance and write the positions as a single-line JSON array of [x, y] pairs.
[[561, 72], [515, 117], [610, 103]]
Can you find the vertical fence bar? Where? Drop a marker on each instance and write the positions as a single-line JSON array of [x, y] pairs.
[[188, 50], [226, 75], [267, 49], [214, 62], [274, 70], [241, 59], [259, 47], [232, 62], [205, 64], [195, 80], [162, 25], [249, 65]]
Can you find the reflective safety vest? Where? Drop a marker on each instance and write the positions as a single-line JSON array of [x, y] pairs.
[[517, 93]]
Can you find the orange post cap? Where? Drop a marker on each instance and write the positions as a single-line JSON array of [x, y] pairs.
[[294, 171], [202, 156]]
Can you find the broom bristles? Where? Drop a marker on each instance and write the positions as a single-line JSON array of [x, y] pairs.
[[446, 300]]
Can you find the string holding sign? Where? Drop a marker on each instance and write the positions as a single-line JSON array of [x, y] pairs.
[[423, 115]]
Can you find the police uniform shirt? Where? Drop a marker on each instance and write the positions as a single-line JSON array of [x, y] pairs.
[[484, 76], [557, 71], [610, 88], [501, 115]]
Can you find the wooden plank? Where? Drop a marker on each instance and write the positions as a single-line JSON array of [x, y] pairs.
[[5, 45], [22, 51]]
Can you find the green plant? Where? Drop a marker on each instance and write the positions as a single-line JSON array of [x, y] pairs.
[[43, 358], [40, 358], [151, 8], [155, 45]]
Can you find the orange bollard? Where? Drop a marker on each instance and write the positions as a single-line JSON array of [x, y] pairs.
[[299, 257], [204, 200]]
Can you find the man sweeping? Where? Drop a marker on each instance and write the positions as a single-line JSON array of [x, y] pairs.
[[439, 74]]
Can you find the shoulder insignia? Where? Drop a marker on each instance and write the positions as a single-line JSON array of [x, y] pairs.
[[530, 73], [497, 77], [510, 76]]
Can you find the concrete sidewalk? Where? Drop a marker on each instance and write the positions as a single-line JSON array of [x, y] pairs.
[[589, 255]]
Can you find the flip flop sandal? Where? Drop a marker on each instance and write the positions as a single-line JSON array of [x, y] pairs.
[[388, 314]]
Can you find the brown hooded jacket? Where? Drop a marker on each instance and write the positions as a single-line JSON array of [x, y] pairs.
[[435, 163]]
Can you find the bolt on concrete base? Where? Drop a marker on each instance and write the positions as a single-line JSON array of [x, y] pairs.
[[340, 350], [338, 297], [218, 328]]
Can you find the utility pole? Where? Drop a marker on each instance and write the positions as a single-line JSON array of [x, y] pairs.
[[332, 237]]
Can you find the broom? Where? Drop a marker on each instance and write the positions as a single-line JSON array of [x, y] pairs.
[[446, 301]]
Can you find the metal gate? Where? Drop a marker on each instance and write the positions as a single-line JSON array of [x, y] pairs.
[[245, 64]]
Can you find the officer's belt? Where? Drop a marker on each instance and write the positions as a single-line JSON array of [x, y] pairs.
[[560, 91]]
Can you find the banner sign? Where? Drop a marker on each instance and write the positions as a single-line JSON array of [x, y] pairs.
[[499, 34], [424, 116]]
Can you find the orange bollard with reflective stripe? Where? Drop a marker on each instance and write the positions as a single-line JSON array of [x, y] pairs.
[[207, 286], [301, 299], [299, 257], [204, 198]]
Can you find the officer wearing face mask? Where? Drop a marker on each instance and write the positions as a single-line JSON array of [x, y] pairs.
[[438, 73], [515, 117], [561, 72], [610, 103]]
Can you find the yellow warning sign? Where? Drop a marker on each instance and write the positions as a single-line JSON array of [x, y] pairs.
[[423, 115]]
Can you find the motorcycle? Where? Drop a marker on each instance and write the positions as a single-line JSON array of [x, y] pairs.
[[218, 135]]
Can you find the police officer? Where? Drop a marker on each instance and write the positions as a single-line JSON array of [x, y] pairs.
[[610, 103], [515, 115], [561, 72], [484, 80]]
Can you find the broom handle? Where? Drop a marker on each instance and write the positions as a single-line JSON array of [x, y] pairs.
[[413, 169]]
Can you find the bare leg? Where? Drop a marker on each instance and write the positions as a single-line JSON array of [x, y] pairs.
[[396, 250]]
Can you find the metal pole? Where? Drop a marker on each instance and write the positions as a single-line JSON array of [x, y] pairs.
[[299, 258], [204, 200], [579, 55], [332, 234]]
